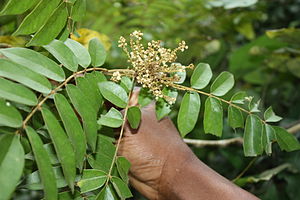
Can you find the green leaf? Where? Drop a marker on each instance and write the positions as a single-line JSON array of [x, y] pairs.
[[163, 108], [9, 116], [270, 116], [44, 165], [11, 164], [51, 28], [126, 83], [63, 54], [25, 76], [37, 17], [72, 126], [105, 194], [82, 55], [114, 93], [102, 162], [97, 52], [123, 166], [264, 176], [105, 146], [121, 187], [35, 61], [253, 136], [17, 93], [145, 97], [92, 179], [112, 119], [253, 106], [34, 182], [286, 140], [201, 76], [15, 7], [223, 83], [213, 117], [134, 116], [268, 137], [78, 10], [235, 117], [63, 147], [239, 97], [188, 113], [87, 113], [89, 87]]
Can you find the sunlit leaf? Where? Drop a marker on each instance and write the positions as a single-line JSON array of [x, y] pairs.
[[222, 84], [97, 52], [235, 117], [188, 113], [35, 61], [112, 119], [15, 7], [63, 147], [105, 194], [126, 83], [134, 115], [123, 166], [37, 17], [114, 93], [270, 116], [17, 93], [11, 164], [201, 76], [72, 126], [63, 54], [286, 140], [239, 97], [213, 117], [78, 10], [9, 116], [92, 179], [253, 136], [86, 111], [121, 187], [267, 138], [82, 55], [89, 87], [25, 76], [44, 165], [51, 28]]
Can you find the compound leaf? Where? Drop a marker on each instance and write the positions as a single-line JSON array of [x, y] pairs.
[[213, 117], [201, 76], [222, 84]]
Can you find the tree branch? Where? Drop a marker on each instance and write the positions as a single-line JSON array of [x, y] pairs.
[[226, 142]]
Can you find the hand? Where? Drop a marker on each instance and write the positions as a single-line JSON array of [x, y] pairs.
[[149, 147]]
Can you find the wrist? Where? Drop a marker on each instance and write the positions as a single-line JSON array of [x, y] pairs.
[[177, 165]]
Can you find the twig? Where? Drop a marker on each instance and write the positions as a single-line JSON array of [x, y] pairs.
[[38, 106], [120, 137], [219, 143], [294, 128], [246, 169]]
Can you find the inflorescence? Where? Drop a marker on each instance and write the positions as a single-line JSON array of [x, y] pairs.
[[154, 66]]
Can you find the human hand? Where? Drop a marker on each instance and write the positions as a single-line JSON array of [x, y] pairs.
[[149, 147]]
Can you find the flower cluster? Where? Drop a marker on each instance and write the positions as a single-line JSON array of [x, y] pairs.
[[154, 66]]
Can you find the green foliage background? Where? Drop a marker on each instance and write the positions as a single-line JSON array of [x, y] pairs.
[[265, 63]]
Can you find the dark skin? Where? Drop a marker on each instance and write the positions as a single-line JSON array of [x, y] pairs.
[[164, 168]]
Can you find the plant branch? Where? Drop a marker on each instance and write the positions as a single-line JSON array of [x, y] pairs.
[[184, 88], [38, 106], [219, 143], [294, 128], [120, 137], [246, 169]]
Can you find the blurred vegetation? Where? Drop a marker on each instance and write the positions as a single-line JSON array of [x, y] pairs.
[[258, 41]]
